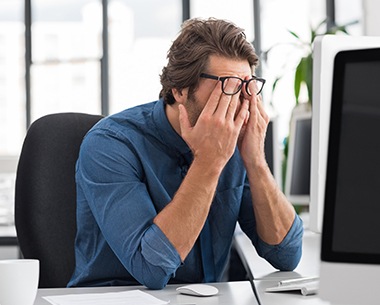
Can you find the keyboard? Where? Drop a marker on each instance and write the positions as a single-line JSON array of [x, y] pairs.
[[305, 285]]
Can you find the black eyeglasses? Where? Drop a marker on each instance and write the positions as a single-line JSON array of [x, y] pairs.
[[259, 83]]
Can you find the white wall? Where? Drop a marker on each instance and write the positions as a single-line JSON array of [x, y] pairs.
[[371, 20]]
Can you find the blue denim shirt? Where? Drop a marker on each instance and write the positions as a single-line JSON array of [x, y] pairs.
[[129, 167]]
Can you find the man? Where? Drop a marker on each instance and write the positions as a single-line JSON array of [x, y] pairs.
[[161, 186]]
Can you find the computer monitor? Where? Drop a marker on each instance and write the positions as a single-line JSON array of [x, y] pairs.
[[325, 49], [272, 149], [297, 181], [350, 252]]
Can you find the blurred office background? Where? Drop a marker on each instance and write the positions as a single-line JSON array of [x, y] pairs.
[[99, 56]]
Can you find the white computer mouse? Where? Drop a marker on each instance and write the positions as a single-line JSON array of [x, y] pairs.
[[199, 290]]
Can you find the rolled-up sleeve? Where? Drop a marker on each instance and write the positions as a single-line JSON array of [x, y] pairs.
[[286, 255], [162, 260]]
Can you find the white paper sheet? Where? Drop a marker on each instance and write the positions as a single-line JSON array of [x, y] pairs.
[[131, 297]]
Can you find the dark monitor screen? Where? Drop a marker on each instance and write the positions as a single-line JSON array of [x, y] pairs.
[[300, 182], [272, 149], [269, 147], [351, 226], [297, 183]]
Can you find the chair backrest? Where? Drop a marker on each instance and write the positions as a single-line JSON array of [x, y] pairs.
[[45, 195]]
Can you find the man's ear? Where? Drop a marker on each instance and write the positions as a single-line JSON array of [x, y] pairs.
[[180, 95]]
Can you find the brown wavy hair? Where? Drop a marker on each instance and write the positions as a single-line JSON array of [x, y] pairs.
[[198, 39]]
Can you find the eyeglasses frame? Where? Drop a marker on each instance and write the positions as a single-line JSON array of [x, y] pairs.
[[223, 78]]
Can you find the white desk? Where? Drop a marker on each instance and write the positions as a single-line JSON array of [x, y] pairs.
[[233, 292], [8, 243], [239, 293], [8, 235], [262, 270]]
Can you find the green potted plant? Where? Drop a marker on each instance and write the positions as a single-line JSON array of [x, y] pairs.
[[303, 75], [304, 70]]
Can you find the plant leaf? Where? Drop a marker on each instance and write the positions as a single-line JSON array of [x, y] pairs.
[[294, 34], [309, 76], [298, 78], [320, 24], [275, 83], [304, 75]]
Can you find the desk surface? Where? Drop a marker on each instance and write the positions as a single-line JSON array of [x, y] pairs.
[[229, 294], [233, 292], [8, 236]]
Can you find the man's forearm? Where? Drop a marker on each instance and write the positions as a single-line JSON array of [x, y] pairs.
[[274, 214], [183, 218]]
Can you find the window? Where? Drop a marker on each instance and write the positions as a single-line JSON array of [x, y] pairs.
[[12, 122], [353, 13], [66, 47], [241, 13], [140, 34]]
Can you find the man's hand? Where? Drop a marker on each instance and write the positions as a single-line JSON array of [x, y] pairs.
[[214, 137], [252, 136]]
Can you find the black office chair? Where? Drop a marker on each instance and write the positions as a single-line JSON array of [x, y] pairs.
[[45, 196]]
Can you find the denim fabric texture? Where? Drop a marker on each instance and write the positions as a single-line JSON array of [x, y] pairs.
[[129, 167]]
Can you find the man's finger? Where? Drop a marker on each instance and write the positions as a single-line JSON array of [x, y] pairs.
[[184, 122]]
